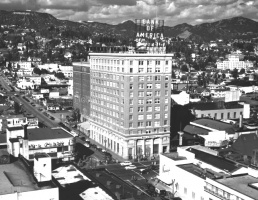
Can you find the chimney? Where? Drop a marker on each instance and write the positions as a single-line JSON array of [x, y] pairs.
[[25, 131], [180, 138], [240, 121]]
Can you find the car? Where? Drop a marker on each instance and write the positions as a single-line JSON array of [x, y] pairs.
[[145, 171], [52, 118], [125, 163], [130, 167], [99, 149]]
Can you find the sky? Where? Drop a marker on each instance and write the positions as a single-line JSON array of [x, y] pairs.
[[174, 12]]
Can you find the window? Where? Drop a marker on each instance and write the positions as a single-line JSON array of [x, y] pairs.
[[215, 116], [140, 70], [166, 100], [166, 78], [149, 109], [140, 124], [157, 78], [139, 132], [157, 108], [140, 62], [166, 62], [131, 62], [193, 195], [148, 123], [140, 117], [165, 115], [185, 190], [141, 94], [157, 69], [157, 101], [166, 108], [228, 115], [149, 86], [148, 131], [222, 116], [148, 101], [234, 114], [149, 69], [141, 86], [130, 109], [131, 101], [157, 93], [157, 116], [148, 93], [130, 125], [166, 85], [165, 122], [130, 117], [131, 86], [140, 101], [140, 109], [131, 78], [149, 78], [149, 116], [131, 70], [157, 85], [166, 93], [131, 94], [141, 78], [157, 62]]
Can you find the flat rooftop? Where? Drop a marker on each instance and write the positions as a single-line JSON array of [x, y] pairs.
[[47, 133], [68, 174], [95, 194], [245, 184], [213, 160], [218, 125], [196, 170], [174, 156], [196, 130], [15, 177]]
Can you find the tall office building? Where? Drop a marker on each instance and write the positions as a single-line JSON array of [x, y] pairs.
[[81, 88], [130, 102]]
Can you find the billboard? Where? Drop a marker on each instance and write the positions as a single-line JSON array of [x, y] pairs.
[[150, 35]]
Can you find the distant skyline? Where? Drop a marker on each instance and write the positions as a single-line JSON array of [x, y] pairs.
[[116, 11]]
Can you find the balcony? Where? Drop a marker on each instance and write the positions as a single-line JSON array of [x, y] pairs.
[[216, 194]]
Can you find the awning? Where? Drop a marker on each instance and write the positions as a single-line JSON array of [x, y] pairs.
[[165, 179]]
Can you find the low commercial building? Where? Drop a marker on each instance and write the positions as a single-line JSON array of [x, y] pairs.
[[196, 172], [56, 142], [18, 183], [221, 110]]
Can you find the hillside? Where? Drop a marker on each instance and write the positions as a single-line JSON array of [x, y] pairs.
[[237, 27]]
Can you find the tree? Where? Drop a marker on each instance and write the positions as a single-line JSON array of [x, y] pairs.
[[234, 73], [36, 70], [242, 71], [184, 68], [44, 71], [17, 107], [76, 115], [60, 75]]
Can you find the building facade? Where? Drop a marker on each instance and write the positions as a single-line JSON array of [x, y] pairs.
[[233, 62], [81, 88], [130, 102]]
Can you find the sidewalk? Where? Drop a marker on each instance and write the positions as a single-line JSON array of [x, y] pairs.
[[114, 155]]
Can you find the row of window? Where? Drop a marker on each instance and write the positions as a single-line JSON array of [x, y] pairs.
[[104, 90], [148, 124], [149, 86], [222, 115], [149, 116], [148, 131], [148, 108], [147, 101], [149, 78], [148, 70], [122, 62], [102, 102], [104, 82]]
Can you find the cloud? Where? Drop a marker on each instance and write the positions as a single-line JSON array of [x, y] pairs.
[[115, 11]]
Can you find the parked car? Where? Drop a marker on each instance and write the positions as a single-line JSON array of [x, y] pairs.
[[125, 163], [94, 146], [130, 167], [99, 148], [145, 171]]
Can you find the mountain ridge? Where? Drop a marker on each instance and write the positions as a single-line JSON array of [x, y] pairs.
[[235, 27]]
